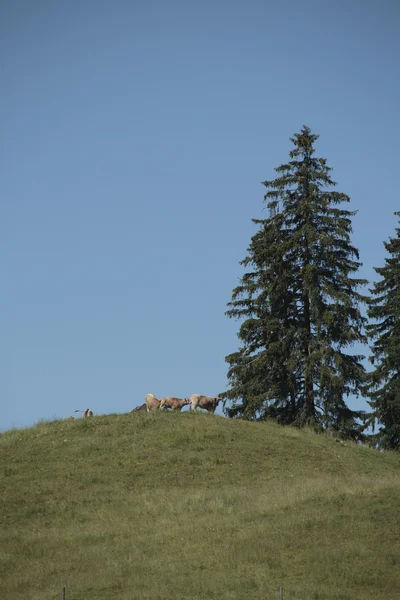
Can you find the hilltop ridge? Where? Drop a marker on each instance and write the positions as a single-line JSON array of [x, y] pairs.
[[195, 506]]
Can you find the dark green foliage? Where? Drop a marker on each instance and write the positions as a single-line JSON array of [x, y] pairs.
[[299, 303], [384, 333]]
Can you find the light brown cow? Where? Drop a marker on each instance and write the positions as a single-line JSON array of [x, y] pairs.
[[206, 402], [152, 403], [86, 413], [174, 403]]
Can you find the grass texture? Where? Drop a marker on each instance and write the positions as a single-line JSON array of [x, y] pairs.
[[167, 506]]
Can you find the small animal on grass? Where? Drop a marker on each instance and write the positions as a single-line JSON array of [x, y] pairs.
[[206, 402], [152, 403], [174, 403], [70, 418], [141, 407], [86, 413]]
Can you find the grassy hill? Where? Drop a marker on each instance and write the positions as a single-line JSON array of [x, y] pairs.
[[195, 506]]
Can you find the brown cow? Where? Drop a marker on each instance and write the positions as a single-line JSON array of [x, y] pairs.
[[141, 407], [206, 402], [152, 403], [174, 403]]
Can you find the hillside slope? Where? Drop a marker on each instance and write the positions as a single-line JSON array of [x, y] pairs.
[[195, 506]]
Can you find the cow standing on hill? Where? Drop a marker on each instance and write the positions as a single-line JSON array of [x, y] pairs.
[[174, 403], [206, 402], [152, 403]]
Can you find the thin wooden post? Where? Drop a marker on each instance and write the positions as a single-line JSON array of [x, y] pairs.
[[63, 594], [281, 593]]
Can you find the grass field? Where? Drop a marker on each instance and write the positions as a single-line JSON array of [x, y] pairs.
[[195, 506]]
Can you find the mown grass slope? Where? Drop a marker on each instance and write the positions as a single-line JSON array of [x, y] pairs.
[[195, 506]]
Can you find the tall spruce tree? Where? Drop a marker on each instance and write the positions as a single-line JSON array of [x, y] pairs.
[[384, 333], [299, 304]]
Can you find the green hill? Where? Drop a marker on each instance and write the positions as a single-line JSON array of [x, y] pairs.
[[195, 506]]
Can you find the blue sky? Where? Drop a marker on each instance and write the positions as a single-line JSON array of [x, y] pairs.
[[134, 137]]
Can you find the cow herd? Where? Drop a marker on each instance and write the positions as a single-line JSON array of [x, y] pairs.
[[170, 402]]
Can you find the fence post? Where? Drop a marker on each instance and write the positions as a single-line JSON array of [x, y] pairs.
[[280, 594], [63, 594]]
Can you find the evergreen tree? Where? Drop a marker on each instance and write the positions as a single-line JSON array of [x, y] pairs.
[[384, 381], [299, 303]]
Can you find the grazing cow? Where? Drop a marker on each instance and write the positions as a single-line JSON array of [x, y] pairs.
[[152, 403], [174, 403], [86, 413], [206, 402], [141, 407]]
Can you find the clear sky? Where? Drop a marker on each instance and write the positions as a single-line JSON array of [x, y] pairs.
[[134, 137]]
